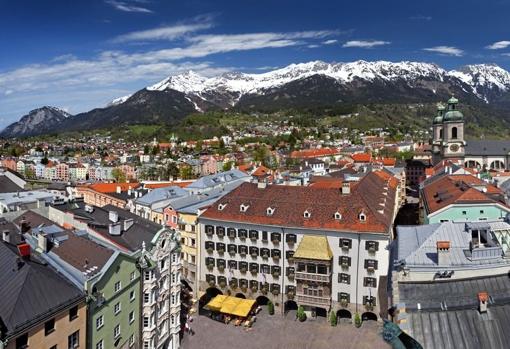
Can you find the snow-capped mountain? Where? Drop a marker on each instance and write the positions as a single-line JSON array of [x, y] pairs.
[[479, 79], [37, 121], [314, 85]]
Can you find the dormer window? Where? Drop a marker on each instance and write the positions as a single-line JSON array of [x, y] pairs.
[[338, 216], [221, 207], [270, 211], [244, 207], [307, 214], [362, 217]]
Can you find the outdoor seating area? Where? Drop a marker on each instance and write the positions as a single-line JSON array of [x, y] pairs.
[[229, 309]]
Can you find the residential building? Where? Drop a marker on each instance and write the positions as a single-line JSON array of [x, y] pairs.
[[39, 308], [151, 205], [158, 251], [110, 278], [10, 182], [322, 248], [460, 198], [23, 200], [102, 194]]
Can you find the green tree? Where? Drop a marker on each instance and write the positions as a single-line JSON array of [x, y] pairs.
[[332, 318], [185, 172], [227, 166], [357, 320], [270, 308], [119, 175], [301, 315]]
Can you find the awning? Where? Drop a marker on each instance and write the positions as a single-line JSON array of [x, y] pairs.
[[314, 247], [231, 305]]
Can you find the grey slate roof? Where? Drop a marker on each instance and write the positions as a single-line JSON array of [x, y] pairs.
[[142, 230], [161, 194], [487, 147], [459, 325], [32, 292], [416, 245], [8, 186], [214, 180]]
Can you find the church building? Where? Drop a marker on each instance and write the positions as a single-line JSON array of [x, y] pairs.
[[448, 142]]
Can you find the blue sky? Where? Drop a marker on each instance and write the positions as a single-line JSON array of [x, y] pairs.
[[78, 55]]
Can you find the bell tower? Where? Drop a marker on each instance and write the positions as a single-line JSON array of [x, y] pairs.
[[453, 131]]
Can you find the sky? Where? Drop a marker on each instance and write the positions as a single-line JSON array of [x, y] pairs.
[[81, 54]]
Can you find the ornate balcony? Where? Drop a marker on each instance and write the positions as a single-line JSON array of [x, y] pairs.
[[312, 277], [324, 301]]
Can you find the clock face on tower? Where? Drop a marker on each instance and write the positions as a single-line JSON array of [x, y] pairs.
[[454, 148]]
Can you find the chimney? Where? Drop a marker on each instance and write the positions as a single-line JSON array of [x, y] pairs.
[[261, 184], [113, 216], [346, 188], [119, 189], [42, 242], [6, 236], [127, 223], [129, 191], [24, 250], [443, 251], [483, 299], [24, 225]]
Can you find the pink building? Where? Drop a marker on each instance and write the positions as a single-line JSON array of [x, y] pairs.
[[171, 217], [62, 172], [208, 165]]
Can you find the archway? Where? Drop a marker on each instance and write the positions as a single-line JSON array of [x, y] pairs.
[[289, 305], [209, 294], [472, 164], [454, 132], [321, 312], [344, 315], [368, 316], [262, 300], [240, 295]]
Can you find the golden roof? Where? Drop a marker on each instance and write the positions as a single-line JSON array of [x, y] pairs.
[[314, 247]]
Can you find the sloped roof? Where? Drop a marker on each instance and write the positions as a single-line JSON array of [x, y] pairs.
[[112, 187], [314, 247], [374, 196], [30, 292]]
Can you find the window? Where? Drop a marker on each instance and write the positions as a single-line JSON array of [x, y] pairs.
[[243, 250], [132, 295], [311, 268], [372, 246], [22, 341], [232, 264], [343, 297], [73, 341], [289, 254], [254, 234], [362, 217], [264, 268], [99, 322], [243, 207], [322, 269], [454, 132], [242, 233], [232, 249], [100, 344], [338, 216], [209, 230], [481, 212], [116, 331], [220, 231], [369, 282], [131, 317], [306, 214], [344, 278], [131, 340], [147, 276], [345, 244], [231, 233], [145, 321], [172, 319], [464, 213], [269, 211], [276, 238], [145, 344], [117, 286], [370, 264], [264, 236], [73, 313], [291, 238], [49, 327], [369, 300], [162, 264], [132, 276], [146, 298], [116, 308]]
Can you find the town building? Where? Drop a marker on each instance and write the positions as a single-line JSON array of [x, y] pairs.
[[158, 251], [10, 182], [39, 308], [23, 200], [102, 194], [110, 279], [449, 142], [460, 197], [323, 248]]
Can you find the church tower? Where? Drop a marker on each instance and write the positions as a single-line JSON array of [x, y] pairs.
[[437, 130], [453, 131]]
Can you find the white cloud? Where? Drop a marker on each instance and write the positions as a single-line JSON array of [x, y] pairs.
[[163, 33], [365, 43], [506, 54], [330, 42], [125, 6], [446, 50], [499, 45], [421, 18]]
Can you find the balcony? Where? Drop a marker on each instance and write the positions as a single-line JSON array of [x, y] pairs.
[[313, 277], [313, 301]]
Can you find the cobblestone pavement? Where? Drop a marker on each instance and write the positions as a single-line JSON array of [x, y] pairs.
[[278, 332]]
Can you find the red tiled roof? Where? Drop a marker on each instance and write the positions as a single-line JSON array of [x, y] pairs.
[[457, 189], [291, 202], [183, 184], [261, 171], [112, 187], [362, 157], [313, 153]]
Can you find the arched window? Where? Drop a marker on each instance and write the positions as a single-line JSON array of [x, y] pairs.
[[441, 133], [454, 132]]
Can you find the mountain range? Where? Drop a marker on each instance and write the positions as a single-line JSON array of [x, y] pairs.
[[313, 85]]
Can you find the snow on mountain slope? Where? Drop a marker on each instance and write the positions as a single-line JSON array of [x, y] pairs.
[[483, 77], [119, 100]]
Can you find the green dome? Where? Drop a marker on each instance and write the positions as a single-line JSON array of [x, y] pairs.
[[453, 115], [438, 120], [453, 100]]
